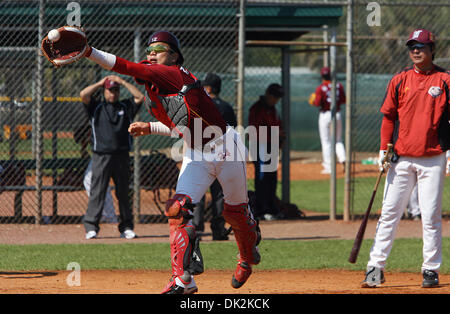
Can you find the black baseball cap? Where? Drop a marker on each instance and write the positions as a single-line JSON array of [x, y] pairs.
[[214, 81], [275, 90]]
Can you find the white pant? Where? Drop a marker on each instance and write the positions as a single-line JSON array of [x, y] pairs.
[[108, 208], [448, 161], [197, 174], [325, 138], [429, 174], [413, 204]]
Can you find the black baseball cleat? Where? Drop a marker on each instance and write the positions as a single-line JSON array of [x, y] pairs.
[[430, 279], [173, 288]]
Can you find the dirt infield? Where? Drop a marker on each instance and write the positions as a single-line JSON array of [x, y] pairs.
[[214, 282], [315, 226], [211, 282]]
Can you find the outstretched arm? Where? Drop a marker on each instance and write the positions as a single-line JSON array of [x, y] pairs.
[[165, 77]]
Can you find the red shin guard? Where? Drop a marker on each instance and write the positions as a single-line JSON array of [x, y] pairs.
[[180, 250], [245, 231], [185, 254]]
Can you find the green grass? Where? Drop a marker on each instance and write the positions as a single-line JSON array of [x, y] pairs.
[[276, 254], [66, 147], [314, 195]]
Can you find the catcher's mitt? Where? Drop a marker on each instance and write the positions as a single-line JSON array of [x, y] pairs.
[[71, 46]]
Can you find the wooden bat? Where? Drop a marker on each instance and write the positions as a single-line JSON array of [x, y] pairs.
[[362, 228]]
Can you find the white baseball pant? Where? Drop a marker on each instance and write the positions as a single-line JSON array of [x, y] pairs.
[[325, 139], [226, 162], [413, 204], [429, 174]]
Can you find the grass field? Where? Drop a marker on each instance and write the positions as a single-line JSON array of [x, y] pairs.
[[406, 255], [314, 195]]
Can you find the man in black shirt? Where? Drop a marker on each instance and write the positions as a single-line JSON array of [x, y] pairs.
[[212, 84], [111, 144]]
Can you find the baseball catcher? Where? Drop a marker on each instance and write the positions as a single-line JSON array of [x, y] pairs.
[[183, 108]]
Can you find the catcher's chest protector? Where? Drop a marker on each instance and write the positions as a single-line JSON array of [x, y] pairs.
[[172, 109]]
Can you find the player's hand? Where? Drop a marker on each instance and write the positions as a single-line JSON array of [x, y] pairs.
[[102, 81], [139, 128], [383, 166], [116, 79]]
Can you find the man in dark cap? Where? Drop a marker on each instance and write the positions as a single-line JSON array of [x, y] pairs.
[[213, 85], [263, 113]]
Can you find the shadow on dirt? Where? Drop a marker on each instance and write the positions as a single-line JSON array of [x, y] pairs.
[[26, 274]]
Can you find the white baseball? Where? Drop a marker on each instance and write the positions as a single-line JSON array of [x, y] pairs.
[[54, 35]]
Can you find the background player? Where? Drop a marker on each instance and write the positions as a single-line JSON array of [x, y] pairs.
[[321, 98], [417, 99], [263, 114]]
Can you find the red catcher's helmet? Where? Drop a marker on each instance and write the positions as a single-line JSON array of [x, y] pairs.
[[170, 39]]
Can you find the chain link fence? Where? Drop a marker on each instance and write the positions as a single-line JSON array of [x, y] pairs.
[[380, 30], [52, 135], [52, 131]]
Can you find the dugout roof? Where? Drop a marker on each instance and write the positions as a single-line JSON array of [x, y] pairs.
[[264, 20]]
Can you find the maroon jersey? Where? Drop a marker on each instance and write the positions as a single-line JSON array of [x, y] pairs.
[[323, 96], [161, 83]]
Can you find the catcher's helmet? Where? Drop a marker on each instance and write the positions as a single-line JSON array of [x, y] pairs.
[[168, 38]]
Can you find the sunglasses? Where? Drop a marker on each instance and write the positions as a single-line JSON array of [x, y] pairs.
[[416, 46], [157, 49]]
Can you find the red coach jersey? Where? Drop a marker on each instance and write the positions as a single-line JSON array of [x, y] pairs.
[[418, 103], [323, 96], [169, 80]]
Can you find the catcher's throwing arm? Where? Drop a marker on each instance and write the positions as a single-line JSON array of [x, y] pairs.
[[362, 228], [70, 46]]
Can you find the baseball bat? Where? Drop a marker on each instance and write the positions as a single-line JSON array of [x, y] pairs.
[[362, 229]]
